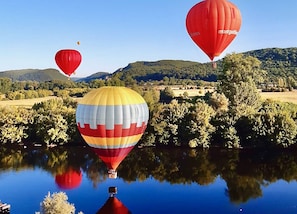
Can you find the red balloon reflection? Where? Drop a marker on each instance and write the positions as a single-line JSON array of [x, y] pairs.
[[112, 158], [113, 206], [69, 180]]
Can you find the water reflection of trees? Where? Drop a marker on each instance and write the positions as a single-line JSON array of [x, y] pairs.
[[171, 165], [244, 171]]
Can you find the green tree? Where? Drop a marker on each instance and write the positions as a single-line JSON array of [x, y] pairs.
[[185, 95], [167, 122], [54, 121], [226, 132], [245, 99], [115, 80], [152, 97], [51, 128], [62, 93], [166, 95], [14, 124], [199, 125], [57, 203], [15, 95], [129, 81], [237, 82], [219, 102], [239, 68], [97, 83], [18, 85], [275, 124], [166, 80], [5, 85]]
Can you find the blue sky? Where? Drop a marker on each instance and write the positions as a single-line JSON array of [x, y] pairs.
[[114, 33]]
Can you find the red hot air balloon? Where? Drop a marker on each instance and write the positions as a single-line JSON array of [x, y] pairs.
[[112, 120], [68, 60], [212, 25]]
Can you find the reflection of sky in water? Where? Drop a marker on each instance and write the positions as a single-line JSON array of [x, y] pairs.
[[278, 197], [24, 190]]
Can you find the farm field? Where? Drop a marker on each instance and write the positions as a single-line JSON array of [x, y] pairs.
[[25, 102], [290, 96], [191, 92]]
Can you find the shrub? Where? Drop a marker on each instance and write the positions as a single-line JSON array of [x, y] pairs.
[[14, 123], [57, 203], [275, 124]]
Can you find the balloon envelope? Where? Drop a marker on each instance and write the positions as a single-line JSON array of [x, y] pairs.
[[68, 60], [69, 180], [212, 25], [112, 120]]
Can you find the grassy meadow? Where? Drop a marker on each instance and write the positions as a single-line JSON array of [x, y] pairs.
[[25, 102], [289, 96]]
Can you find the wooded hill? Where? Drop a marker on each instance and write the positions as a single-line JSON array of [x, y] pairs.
[[178, 69], [39, 75], [278, 62]]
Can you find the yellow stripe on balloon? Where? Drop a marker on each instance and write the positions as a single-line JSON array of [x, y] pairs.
[[112, 95], [112, 143]]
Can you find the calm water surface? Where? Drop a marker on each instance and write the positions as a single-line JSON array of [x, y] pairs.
[[153, 180]]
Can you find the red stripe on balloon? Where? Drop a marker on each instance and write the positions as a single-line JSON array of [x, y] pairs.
[[112, 157], [118, 130], [113, 152]]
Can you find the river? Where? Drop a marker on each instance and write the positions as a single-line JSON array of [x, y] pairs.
[[152, 180]]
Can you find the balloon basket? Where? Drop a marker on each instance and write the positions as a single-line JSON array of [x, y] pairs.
[[112, 174], [112, 191]]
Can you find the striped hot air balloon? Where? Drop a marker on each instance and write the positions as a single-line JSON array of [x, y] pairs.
[[112, 120]]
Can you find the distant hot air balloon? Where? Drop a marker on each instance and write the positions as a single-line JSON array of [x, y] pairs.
[[78, 42], [112, 120], [68, 60], [212, 25], [69, 179]]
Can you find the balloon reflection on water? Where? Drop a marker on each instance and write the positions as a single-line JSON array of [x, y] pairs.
[[69, 179], [113, 205]]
